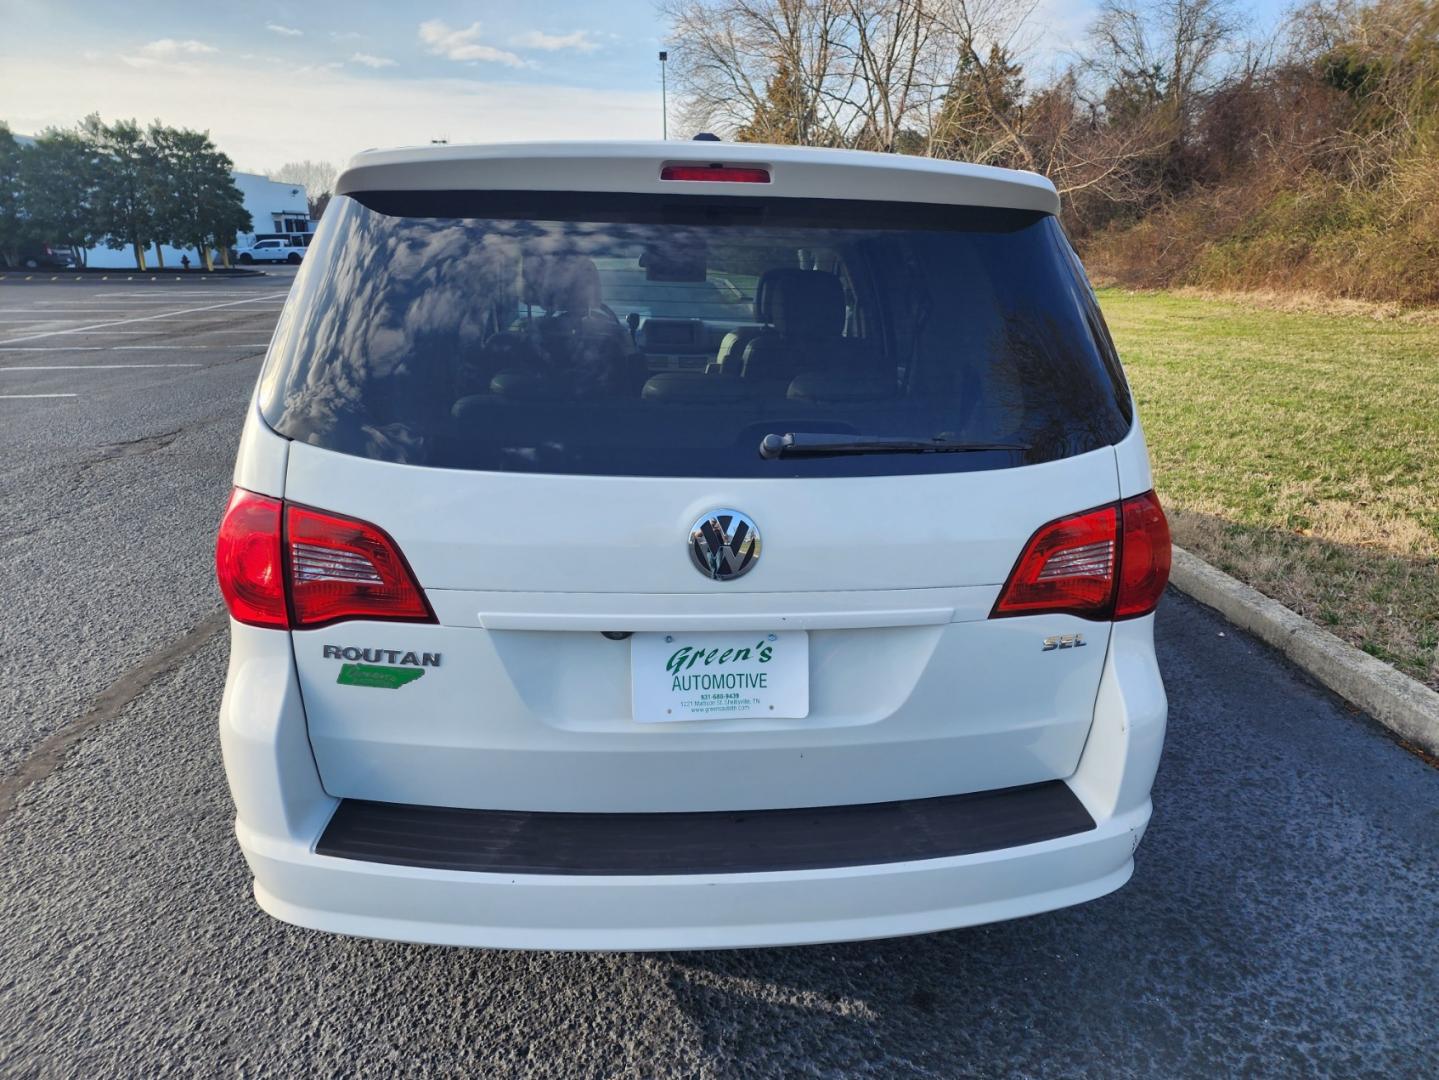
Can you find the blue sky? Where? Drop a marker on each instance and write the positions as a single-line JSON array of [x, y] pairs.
[[275, 82]]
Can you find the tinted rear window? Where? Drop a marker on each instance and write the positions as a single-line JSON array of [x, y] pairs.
[[648, 336]]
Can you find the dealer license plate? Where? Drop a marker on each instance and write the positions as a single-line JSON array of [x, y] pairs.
[[719, 676]]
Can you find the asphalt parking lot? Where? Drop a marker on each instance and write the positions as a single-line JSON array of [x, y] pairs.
[[1282, 919]]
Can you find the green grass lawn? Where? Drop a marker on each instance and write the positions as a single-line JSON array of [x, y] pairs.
[[1300, 453]]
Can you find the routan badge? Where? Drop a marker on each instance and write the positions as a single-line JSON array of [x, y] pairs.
[[383, 669]]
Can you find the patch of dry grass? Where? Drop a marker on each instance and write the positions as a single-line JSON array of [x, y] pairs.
[[1299, 451], [1304, 302]]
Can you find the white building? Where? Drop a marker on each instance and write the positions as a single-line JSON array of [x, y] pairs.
[[277, 210]]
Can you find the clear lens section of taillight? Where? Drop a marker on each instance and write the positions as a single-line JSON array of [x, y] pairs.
[[1067, 566], [1088, 560], [1144, 569], [248, 564], [294, 567], [311, 562], [342, 568], [1111, 562]]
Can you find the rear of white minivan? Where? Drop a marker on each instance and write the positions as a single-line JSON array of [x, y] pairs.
[[638, 549]]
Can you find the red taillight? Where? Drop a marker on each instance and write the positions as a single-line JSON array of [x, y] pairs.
[[341, 568], [248, 562], [1144, 565], [287, 566], [1108, 563], [724, 174], [1068, 565]]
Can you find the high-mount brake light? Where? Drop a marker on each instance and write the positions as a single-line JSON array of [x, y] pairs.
[[1111, 562], [293, 567], [724, 174]]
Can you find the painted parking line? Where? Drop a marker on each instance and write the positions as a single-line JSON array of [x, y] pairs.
[[50, 348], [149, 297], [17, 397], [151, 348], [122, 305], [91, 367], [150, 318], [111, 301]]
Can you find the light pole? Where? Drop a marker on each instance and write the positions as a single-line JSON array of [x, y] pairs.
[[664, 99]]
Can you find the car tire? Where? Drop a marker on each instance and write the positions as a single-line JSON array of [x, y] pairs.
[[30, 263], [247, 258], [293, 259]]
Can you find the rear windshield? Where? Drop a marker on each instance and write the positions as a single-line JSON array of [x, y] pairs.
[[652, 336]]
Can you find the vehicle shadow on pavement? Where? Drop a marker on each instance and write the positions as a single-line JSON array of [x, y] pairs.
[[1280, 922], [1273, 925]]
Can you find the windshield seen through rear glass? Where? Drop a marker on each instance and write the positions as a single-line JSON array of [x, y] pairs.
[[644, 336]]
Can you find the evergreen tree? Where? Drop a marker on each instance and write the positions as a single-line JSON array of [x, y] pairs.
[[58, 178], [223, 212], [125, 193], [10, 219], [201, 205], [981, 112], [785, 115]]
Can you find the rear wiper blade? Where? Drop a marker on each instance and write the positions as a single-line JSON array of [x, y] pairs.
[[812, 444]]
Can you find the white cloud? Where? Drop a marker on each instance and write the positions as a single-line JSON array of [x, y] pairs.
[[580, 40], [372, 61], [345, 111], [287, 31], [456, 44], [166, 48]]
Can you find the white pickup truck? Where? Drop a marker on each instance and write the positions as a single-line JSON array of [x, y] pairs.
[[271, 251]]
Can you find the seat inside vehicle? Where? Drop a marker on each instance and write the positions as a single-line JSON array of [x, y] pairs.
[[730, 359], [806, 309], [584, 327]]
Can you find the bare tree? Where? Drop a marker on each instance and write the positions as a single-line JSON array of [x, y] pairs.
[[1382, 57], [858, 73], [887, 48], [945, 78], [981, 114], [763, 68], [1095, 165], [317, 178], [1163, 54]]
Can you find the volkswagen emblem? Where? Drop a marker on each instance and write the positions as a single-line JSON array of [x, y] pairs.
[[724, 545]]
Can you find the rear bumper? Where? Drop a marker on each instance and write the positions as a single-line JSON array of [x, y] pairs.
[[283, 812], [529, 911]]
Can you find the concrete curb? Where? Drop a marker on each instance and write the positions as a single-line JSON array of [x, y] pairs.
[[1406, 707], [94, 275]]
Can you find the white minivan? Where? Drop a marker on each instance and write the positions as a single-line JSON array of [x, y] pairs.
[[688, 545]]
